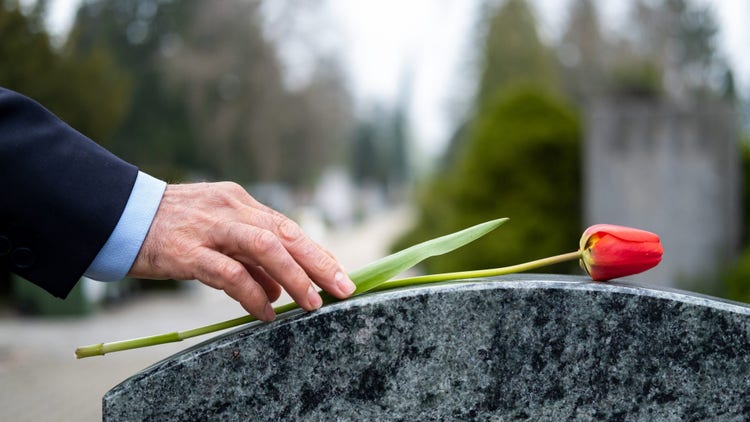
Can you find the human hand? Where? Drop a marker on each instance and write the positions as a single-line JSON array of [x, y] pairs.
[[219, 234]]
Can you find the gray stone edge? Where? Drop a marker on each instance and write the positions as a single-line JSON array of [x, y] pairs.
[[516, 281]]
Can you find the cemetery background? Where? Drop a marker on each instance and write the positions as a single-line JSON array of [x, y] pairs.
[[535, 125]]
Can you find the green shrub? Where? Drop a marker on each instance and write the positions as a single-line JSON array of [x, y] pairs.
[[736, 282], [520, 159]]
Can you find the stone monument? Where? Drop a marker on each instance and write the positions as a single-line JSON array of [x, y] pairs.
[[671, 169], [512, 348]]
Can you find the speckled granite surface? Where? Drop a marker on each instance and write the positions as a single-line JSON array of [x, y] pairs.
[[513, 348]]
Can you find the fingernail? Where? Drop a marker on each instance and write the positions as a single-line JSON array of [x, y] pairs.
[[268, 313], [345, 285], [314, 298]]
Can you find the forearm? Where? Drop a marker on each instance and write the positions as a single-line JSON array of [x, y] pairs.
[[64, 196]]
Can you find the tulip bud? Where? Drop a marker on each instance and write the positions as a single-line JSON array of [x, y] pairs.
[[609, 251]]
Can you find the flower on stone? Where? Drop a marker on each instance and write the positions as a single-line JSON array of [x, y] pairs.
[[609, 251]]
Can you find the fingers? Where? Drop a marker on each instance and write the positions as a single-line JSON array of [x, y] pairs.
[[267, 251], [270, 286], [318, 263], [219, 271]]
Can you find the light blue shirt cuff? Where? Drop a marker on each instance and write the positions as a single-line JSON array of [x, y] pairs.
[[117, 255]]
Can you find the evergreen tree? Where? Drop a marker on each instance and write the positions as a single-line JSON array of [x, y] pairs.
[[521, 161], [157, 132], [512, 52], [676, 39], [517, 156], [583, 52], [86, 90], [209, 94]]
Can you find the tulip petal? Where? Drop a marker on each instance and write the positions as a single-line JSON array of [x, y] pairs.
[[622, 232], [610, 251]]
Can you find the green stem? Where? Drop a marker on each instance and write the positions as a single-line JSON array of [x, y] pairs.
[[433, 278], [104, 348], [101, 349]]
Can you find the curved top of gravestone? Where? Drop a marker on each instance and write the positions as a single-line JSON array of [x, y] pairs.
[[516, 347]]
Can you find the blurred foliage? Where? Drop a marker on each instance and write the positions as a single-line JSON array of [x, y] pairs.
[[516, 156], [582, 52], [379, 153], [156, 133], [521, 161], [736, 284], [668, 50], [74, 86], [637, 79], [736, 279], [679, 37], [209, 98], [512, 51]]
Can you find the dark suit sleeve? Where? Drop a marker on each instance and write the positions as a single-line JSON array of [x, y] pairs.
[[61, 195]]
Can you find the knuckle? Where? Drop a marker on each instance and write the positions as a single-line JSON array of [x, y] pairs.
[[324, 264], [225, 193], [265, 242], [233, 188], [232, 272], [289, 230], [183, 243]]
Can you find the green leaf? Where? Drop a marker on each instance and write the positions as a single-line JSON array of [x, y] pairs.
[[382, 270]]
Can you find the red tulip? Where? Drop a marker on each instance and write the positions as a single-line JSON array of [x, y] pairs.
[[610, 251]]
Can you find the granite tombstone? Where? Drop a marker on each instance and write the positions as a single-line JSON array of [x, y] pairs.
[[512, 348]]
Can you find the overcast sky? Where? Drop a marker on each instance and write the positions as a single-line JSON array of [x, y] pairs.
[[385, 38]]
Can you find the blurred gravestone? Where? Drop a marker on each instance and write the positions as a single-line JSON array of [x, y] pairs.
[[513, 348], [672, 170]]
